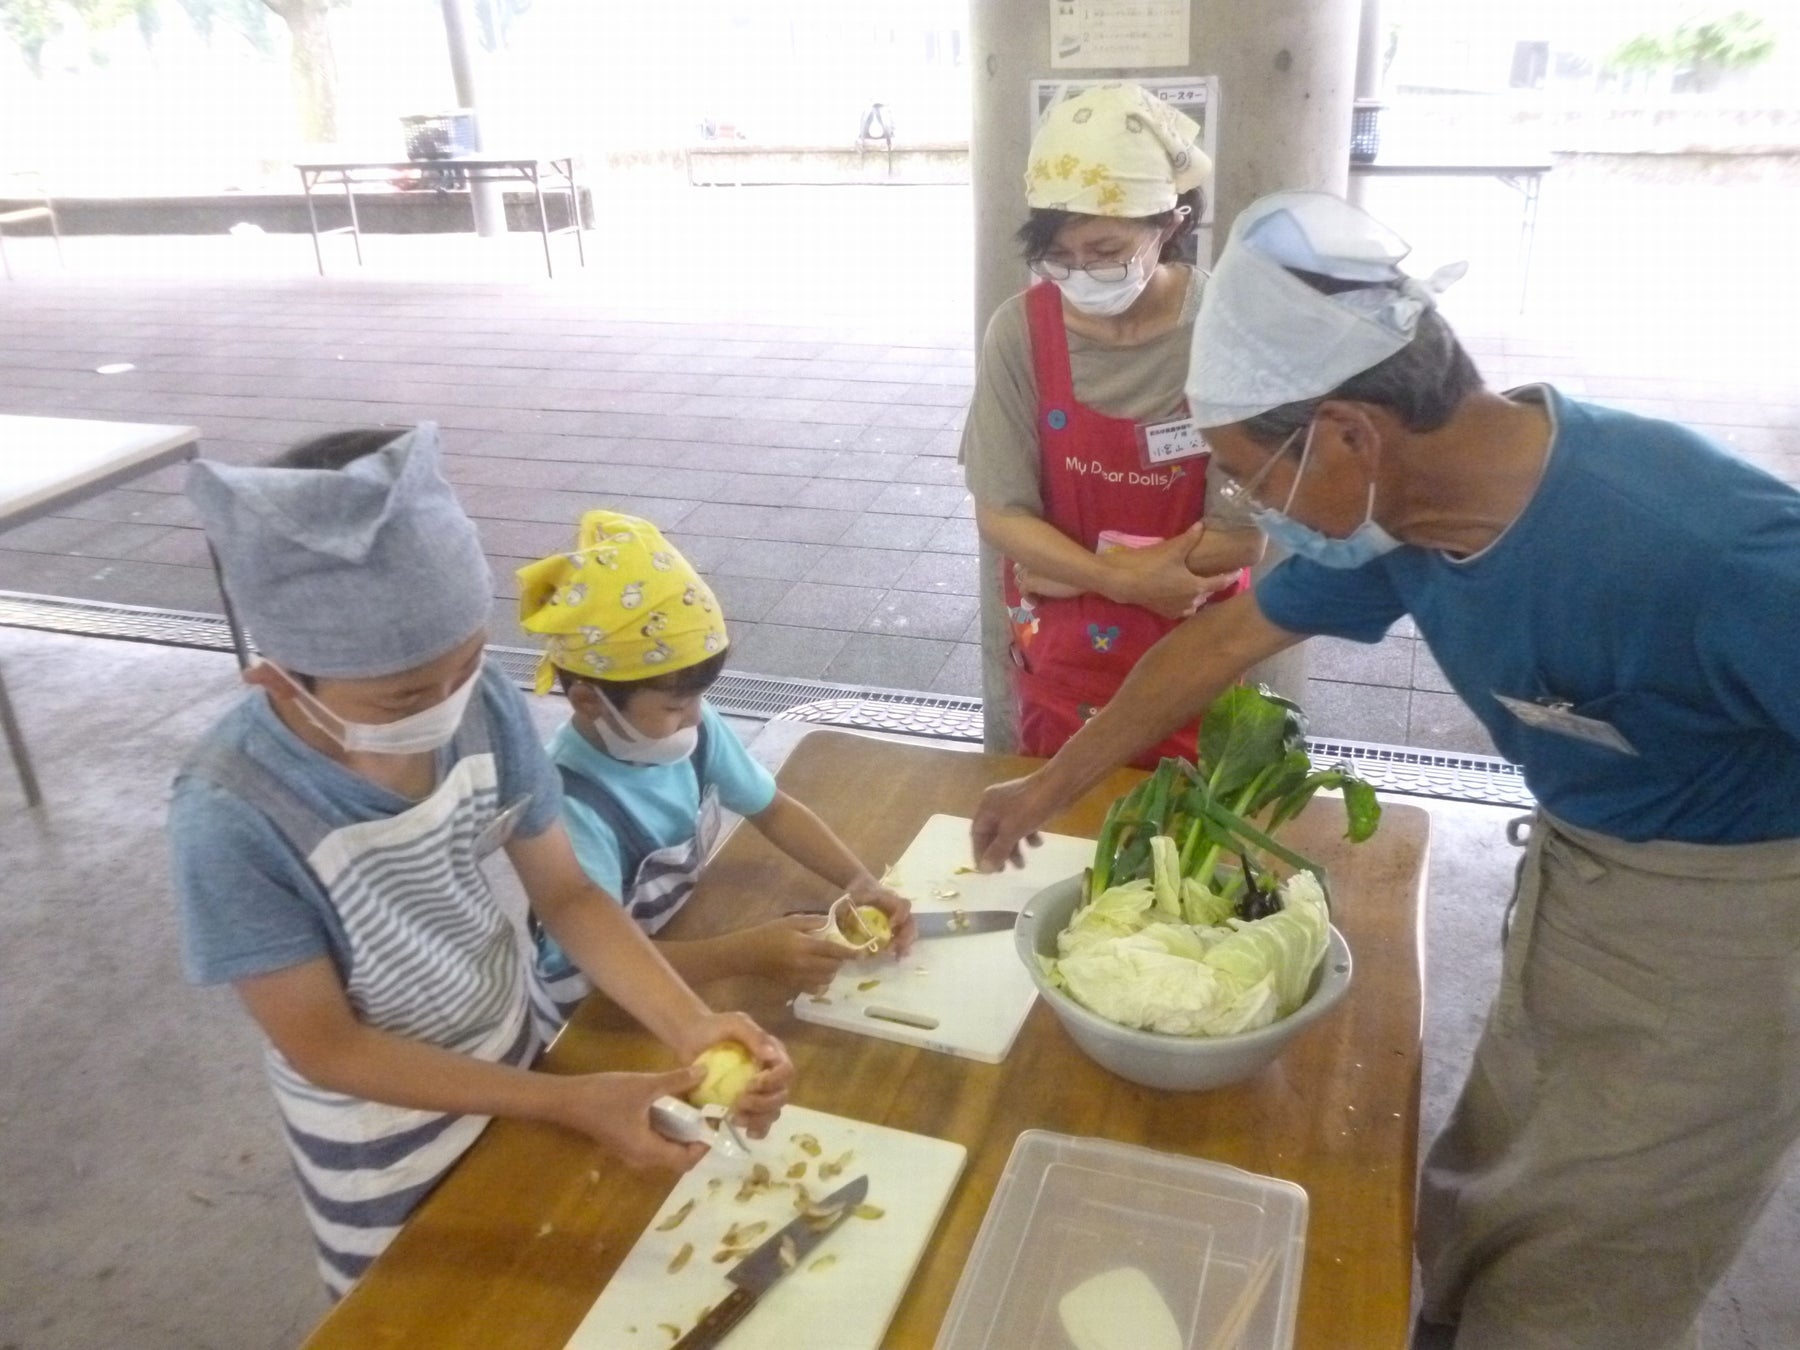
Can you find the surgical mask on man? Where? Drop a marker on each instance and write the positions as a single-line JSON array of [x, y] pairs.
[[625, 742], [416, 733], [1365, 543], [1105, 299]]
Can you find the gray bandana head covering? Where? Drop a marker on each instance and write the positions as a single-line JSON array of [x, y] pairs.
[[349, 573], [1264, 338]]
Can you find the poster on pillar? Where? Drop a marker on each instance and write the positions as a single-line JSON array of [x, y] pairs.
[[1197, 96], [1118, 34]]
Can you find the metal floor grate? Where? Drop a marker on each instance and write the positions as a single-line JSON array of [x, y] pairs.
[[1391, 768]]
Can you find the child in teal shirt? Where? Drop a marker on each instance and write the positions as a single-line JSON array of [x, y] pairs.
[[635, 639]]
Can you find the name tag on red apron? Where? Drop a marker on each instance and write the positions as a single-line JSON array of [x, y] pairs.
[[1170, 442]]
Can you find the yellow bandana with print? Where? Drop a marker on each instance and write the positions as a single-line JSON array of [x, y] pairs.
[[622, 605], [1114, 150]]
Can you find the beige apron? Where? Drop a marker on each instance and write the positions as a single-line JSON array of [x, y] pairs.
[[1632, 1100]]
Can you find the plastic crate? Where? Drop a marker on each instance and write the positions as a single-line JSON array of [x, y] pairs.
[[1222, 1248], [444, 135], [1365, 131]]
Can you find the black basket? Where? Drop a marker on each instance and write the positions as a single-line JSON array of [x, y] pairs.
[[443, 135], [1365, 132]]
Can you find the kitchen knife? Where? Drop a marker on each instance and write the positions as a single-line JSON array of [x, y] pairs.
[[757, 1273], [960, 922]]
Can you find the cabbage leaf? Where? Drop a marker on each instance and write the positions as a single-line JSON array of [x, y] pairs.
[[1121, 958]]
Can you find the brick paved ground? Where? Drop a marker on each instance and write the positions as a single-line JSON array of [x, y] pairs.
[[783, 390]]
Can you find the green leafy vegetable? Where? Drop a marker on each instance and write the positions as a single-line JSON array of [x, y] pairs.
[[1203, 834]]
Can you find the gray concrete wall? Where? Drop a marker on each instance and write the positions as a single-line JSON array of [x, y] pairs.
[[415, 212]]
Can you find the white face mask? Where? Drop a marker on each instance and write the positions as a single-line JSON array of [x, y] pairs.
[[1105, 299], [624, 741], [414, 734]]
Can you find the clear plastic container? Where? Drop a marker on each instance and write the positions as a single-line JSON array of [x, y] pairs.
[[1067, 1209]]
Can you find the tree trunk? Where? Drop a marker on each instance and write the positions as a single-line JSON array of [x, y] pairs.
[[314, 67]]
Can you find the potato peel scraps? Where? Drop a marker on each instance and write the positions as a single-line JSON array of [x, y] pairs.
[[825, 1262], [673, 1330], [675, 1220], [829, 1170], [797, 1171], [821, 1219], [866, 985], [808, 1145], [681, 1258], [742, 1234], [868, 1211]]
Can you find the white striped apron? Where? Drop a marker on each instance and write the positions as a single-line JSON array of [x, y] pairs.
[[432, 957], [658, 881]]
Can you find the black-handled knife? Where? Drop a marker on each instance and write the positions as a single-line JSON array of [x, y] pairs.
[[757, 1273]]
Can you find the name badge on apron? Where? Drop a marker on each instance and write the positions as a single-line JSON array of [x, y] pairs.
[[1170, 442], [1560, 717], [498, 830]]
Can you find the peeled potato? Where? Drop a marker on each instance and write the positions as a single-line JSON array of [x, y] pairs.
[[875, 927], [1118, 1310], [729, 1069]]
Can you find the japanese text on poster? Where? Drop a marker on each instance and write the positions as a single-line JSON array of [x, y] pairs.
[[1103, 34]]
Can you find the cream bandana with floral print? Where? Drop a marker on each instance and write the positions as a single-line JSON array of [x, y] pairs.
[[1114, 150], [622, 605]]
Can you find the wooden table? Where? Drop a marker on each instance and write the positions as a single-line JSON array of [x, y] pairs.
[[515, 1246], [48, 463]]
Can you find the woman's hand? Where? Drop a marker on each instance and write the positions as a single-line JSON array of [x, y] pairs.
[[1157, 577], [1035, 586], [866, 890]]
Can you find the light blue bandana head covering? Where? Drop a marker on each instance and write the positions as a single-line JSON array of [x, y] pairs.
[[1265, 338], [349, 573]]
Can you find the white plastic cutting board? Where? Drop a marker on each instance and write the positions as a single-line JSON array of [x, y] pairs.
[[844, 1304], [973, 986]]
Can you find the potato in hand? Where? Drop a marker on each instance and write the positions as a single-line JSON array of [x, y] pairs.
[[729, 1068]]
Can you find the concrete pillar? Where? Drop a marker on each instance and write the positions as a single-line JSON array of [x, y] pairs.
[[489, 205], [1285, 71]]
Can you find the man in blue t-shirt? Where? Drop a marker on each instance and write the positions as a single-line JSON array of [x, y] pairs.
[[1613, 597], [635, 638]]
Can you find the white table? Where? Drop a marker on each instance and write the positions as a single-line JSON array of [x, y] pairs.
[[452, 173], [1524, 173], [48, 463]]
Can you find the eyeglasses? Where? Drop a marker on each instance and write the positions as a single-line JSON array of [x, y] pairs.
[[1238, 495], [1052, 270], [1103, 272]]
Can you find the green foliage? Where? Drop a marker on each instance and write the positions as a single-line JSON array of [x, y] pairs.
[[31, 24], [1253, 764], [249, 17], [1734, 41]]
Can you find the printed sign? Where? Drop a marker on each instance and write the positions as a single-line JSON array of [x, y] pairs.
[[1112, 34]]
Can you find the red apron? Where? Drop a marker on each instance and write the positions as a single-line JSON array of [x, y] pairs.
[[1070, 656]]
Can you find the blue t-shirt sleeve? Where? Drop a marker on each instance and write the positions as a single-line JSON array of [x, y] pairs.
[[1749, 644], [744, 785], [247, 906], [524, 765], [596, 847], [1359, 603]]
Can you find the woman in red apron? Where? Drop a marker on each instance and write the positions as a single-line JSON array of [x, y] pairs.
[[1089, 479]]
